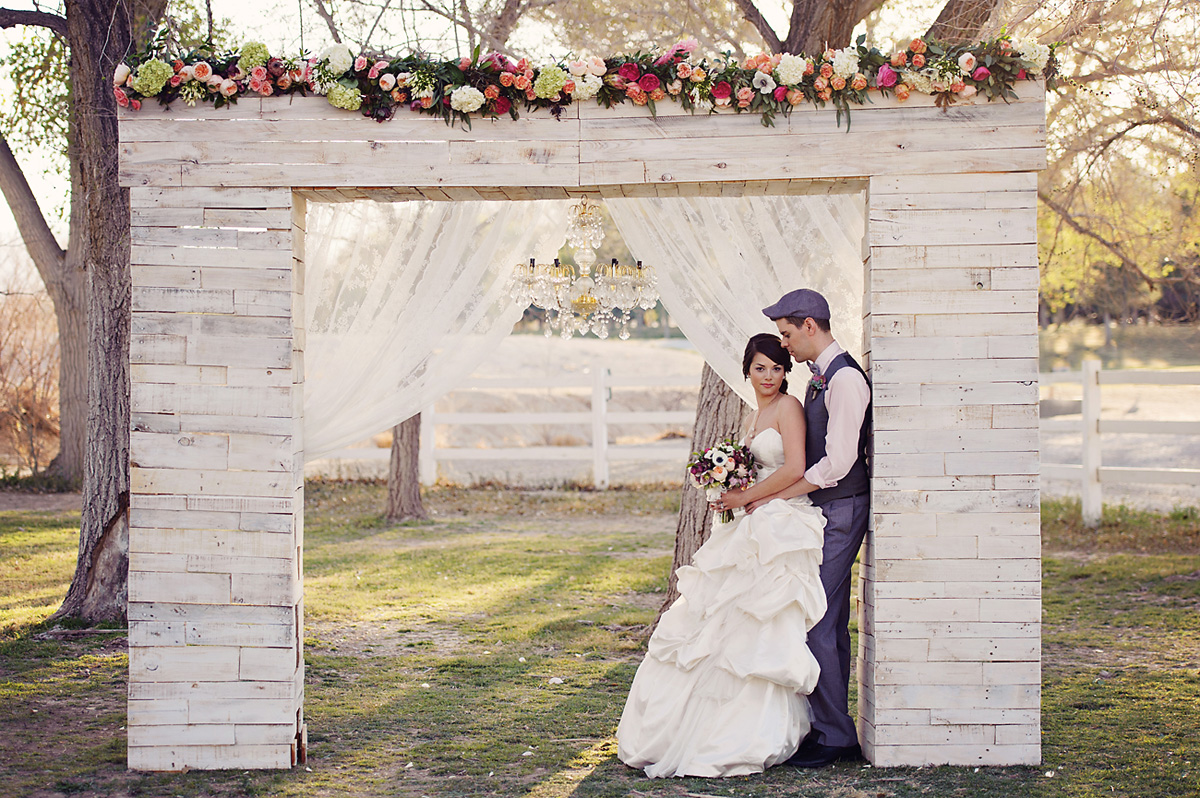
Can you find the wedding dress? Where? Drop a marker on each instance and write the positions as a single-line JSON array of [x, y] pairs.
[[722, 689]]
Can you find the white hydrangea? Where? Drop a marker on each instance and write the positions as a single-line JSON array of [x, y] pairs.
[[1036, 54], [845, 62], [790, 70], [466, 99], [586, 87], [919, 80], [338, 58]]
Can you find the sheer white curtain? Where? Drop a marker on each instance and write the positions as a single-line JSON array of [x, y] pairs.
[[403, 300], [721, 260]]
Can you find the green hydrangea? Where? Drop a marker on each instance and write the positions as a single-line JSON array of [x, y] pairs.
[[151, 77], [550, 82], [253, 54], [340, 96]]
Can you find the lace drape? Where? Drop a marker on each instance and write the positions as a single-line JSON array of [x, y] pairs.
[[403, 300], [721, 260]]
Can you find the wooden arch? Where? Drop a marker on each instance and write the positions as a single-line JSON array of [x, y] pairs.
[[949, 646]]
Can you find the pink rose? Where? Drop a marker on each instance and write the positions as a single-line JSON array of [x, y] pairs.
[[376, 69], [820, 84], [721, 91], [649, 82], [629, 71], [175, 80], [744, 95], [360, 63], [464, 63], [503, 104], [886, 77], [135, 104], [259, 73], [530, 94], [808, 67], [121, 97], [918, 61], [266, 89], [981, 74], [780, 93], [1021, 75], [255, 84]]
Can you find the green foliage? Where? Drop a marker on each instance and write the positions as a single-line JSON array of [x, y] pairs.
[[35, 117]]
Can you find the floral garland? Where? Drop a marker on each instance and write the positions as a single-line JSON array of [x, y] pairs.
[[493, 85]]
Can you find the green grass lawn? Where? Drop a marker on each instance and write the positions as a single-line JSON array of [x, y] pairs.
[[431, 649]]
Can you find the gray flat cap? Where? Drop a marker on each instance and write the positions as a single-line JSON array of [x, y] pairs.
[[801, 303]]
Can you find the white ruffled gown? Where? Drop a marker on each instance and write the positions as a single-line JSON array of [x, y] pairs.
[[721, 691]]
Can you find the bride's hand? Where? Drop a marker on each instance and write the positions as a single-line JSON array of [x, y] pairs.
[[730, 500]]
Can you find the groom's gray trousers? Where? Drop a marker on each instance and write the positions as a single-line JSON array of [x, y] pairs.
[[845, 525]]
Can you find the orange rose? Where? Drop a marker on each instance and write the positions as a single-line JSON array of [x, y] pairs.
[[506, 79], [827, 70], [918, 46], [795, 96], [837, 82], [918, 61], [902, 91], [859, 82], [899, 59], [492, 91]]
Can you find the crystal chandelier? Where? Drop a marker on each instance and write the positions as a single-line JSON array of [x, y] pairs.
[[575, 300]]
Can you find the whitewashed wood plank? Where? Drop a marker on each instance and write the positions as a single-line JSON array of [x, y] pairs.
[[940, 570], [216, 613], [241, 278], [954, 256], [185, 300], [261, 452], [213, 633], [265, 734], [180, 735], [994, 462], [979, 443], [179, 588], [897, 753], [172, 758], [165, 276], [157, 349], [886, 465], [203, 256], [885, 371], [946, 418], [949, 279], [153, 450], [268, 664], [397, 172], [980, 393], [253, 377], [981, 323], [156, 712], [221, 325], [244, 483], [155, 633], [281, 424], [211, 350], [1012, 346], [914, 185], [213, 400], [989, 524], [1010, 609], [273, 218], [207, 197], [265, 590]]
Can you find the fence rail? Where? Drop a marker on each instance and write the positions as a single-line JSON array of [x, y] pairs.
[[1090, 472]]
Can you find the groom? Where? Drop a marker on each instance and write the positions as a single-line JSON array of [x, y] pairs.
[[837, 407]]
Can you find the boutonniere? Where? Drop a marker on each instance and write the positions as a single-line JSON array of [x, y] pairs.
[[817, 383]]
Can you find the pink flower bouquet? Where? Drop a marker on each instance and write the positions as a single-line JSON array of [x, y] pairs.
[[721, 468]]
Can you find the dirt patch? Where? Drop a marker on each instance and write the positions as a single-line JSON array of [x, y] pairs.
[[25, 502]]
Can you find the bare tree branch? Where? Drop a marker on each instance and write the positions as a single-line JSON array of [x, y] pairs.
[[10, 18], [43, 248], [325, 15], [1077, 226], [752, 15]]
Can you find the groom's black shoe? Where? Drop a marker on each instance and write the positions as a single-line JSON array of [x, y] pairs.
[[815, 755]]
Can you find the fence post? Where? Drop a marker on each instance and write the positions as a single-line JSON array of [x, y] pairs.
[[426, 455], [1091, 494], [599, 425]]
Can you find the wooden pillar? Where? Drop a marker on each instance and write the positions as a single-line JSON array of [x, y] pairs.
[[216, 676], [949, 657]]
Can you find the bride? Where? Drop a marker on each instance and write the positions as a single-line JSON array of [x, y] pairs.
[[722, 689]]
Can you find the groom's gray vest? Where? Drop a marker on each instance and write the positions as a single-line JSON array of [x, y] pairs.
[[858, 479]]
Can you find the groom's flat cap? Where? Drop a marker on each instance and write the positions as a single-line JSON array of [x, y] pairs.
[[801, 303]]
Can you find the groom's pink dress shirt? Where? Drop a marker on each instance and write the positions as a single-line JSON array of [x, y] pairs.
[[846, 397]]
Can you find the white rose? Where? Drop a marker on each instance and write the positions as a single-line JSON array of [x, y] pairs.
[[967, 63], [188, 72], [120, 74], [578, 68], [229, 87], [466, 99], [387, 81]]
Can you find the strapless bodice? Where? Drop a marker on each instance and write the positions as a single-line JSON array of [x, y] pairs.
[[767, 448]]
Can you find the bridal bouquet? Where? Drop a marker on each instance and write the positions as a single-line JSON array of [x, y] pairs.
[[720, 468]]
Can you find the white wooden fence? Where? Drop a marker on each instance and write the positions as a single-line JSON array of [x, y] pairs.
[[599, 417], [1090, 472]]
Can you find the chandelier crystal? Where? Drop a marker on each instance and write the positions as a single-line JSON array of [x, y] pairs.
[[575, 299]]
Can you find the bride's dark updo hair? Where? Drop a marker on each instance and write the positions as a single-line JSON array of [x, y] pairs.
[[769, 345]]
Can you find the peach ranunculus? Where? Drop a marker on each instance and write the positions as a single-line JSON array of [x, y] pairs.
[[918, 46], [795, 96], [748, 63], [899, 59], [837, 83], [491, 91], [918, 61], [902, 91], [827, 70], [202, 70], [387, 81]]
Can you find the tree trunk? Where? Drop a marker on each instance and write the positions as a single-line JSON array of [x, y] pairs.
[[100, 33], [960, 21], [719, 414], [404, 476]]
